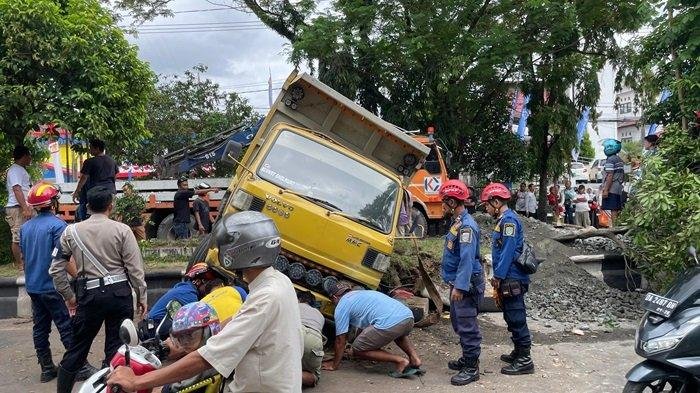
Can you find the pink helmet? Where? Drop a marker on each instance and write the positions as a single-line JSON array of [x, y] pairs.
[[193, 324], [455, 189], [495, 190]]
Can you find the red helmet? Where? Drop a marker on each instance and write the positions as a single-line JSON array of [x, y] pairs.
[[495, 190], [42, 194], [199, 269], [454, 188]]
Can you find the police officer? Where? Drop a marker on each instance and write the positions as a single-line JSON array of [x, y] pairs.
[[108, 258], [508, 279], [461, 269]]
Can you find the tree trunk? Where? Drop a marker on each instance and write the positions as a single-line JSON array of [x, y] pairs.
[[542, 197]]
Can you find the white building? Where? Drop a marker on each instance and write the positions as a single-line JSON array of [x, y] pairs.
[[628, 127]]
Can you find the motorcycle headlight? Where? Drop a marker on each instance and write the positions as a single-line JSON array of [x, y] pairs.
[[664, 343], [241, 200], [660, 344]]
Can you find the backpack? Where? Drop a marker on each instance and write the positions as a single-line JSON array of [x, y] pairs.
[[528, 261]]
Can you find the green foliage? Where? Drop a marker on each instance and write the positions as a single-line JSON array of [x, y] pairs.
[[565, 44], [664, 214], [587, 149], [447, 68], [631, 150], [69, 64], [185, 109], [666, 59], [128, 208]]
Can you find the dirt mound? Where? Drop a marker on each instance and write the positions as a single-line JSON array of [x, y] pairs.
[[563, 291]]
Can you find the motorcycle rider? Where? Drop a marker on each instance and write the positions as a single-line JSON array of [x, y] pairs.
[[192, 326], [263, 342], [461, 270], [200, 280], [511, 282]]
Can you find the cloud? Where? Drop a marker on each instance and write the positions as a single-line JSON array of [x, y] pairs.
[[240, 52]]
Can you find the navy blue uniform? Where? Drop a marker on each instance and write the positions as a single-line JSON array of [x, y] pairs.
[[462, 270], [507, 245]]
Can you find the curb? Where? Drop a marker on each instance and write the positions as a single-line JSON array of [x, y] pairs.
[[15, 302]]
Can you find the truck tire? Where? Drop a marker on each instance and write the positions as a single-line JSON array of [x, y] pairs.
[[165, 228], [419, 223]]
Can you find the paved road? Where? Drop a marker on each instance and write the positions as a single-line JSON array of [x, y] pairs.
[[596, 362]]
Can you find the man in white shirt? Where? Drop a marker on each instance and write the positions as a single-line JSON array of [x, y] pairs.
[[17, 211], [263, 342]]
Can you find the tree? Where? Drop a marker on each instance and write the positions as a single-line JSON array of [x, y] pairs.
[[587, 149], [68, 63], [664, 212], [572, 41], [187, 108], [666, 59]]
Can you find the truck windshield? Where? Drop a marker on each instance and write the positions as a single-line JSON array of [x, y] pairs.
[[320, 173]]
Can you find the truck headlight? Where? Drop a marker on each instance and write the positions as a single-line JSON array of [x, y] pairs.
[[660, 344], [381, 263], [241, 200]]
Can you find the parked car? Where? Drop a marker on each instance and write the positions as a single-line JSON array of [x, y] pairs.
[[579, 172], [595, 172]]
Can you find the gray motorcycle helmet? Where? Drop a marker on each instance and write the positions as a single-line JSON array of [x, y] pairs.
[[247, 239]]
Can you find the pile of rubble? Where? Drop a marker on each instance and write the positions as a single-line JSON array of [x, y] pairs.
[[563, 291]]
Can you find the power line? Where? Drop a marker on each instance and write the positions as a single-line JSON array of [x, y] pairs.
[[202, 10], [257, 91], [231, 23], [169, 31], [251, 84]]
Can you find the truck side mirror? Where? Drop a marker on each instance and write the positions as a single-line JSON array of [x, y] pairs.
[[231, 152], [448, 159]]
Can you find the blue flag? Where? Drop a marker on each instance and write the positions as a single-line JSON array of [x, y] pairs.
[[664, 96], [523, 118]]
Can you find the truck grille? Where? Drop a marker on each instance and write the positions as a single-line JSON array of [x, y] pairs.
[[257, 204], [370, 257]]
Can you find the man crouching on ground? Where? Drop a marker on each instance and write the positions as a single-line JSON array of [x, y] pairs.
[[382, 320]]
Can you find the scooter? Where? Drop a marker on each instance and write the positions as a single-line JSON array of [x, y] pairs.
[[131, 354], [669, 338], [146, 356]]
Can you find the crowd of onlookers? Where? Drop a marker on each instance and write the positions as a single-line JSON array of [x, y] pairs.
[[566, 203]]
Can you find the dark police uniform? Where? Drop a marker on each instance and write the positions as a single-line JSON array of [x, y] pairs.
[[102, 293], [462, 270], [507, 244]]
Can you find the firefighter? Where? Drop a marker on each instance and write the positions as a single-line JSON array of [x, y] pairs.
[[461, 269], [508, 279]]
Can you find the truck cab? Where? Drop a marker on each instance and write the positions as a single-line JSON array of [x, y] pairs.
[[426, 203], [329, 173]]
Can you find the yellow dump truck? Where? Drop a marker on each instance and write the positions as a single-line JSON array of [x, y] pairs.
[[331, 176]]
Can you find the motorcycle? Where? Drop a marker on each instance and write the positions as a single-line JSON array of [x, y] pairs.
[[669, 338], [146, 356]]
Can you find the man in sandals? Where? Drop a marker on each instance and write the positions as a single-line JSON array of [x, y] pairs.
[[382, 320]]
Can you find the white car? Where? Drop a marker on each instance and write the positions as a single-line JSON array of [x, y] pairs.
[[579, 172], [596, 170]]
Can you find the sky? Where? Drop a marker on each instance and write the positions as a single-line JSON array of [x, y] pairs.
[[242, 54]]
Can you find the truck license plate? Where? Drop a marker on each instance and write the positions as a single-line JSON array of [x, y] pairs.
[[659, 304]]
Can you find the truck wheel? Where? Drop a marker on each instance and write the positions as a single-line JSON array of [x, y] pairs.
[[419, 223], [165, 228]]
